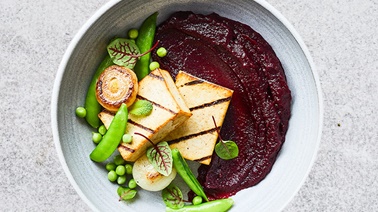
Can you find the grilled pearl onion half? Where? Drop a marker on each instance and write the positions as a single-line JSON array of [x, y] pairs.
[[116, 85]]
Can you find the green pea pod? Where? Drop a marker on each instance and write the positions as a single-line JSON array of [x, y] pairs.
[[113, 136], [144, 42], [91, 104], [220, 205], [186, 174]]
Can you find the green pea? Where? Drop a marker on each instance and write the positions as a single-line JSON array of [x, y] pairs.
[[102, 129], [118, 160], [161, 52], [112, 176], [129, 168], [127, 138], [132, 184], [133, 33], [81, 112], [120, 170], [197, 200], [154, 65], [121, 180], [110, 166], [96, 137]]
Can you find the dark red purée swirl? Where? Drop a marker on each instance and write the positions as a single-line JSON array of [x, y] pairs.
[[233, 55]]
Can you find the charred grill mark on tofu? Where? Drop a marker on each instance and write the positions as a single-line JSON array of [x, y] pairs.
[[156, 76], [219, 101], [127, 148], [204, 158], [194, 82], [177, 140], [141, 126], [156, 104]]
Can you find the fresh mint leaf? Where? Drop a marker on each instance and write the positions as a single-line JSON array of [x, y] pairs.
[[160, 156], [172, 197], [141, 108]]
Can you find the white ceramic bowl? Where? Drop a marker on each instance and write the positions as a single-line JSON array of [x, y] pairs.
[[72, 135]]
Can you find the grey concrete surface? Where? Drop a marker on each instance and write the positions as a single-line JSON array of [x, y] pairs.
[[341, 36]]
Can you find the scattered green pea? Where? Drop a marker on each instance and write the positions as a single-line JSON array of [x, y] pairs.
[[96, 137], [112, 176], [154, 65], [127, 138], [132, 184], [120, 170], [121, 180], [197, 200], [133, 33], [102, 130], [161, 52], [110, 166], [81, 112], [118, 160], [129, 168]]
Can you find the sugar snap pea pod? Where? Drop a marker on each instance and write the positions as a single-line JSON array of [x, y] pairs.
[[186, 174], [220, 205], [144, 42], [91, 104], [112, 137]]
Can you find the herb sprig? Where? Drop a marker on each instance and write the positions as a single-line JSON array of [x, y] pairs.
[[226, 150], [160, 156]]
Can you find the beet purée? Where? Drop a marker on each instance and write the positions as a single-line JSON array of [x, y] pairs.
[[233, 55]]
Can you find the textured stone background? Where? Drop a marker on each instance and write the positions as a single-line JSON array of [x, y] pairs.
[[341, 36]]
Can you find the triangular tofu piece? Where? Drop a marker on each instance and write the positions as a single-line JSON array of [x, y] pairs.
[[169, 112], [197, 136]]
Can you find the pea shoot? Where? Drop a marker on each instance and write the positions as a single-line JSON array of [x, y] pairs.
[[226, 150]]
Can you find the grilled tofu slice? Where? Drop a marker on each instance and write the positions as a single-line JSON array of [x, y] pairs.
[[197, 137], [169, 112]]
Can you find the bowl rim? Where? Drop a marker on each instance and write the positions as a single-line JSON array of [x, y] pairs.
[[103, 9]]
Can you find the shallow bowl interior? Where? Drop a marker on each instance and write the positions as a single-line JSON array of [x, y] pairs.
[[72, 135]]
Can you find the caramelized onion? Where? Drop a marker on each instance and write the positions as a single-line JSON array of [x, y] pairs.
[[116, 85]]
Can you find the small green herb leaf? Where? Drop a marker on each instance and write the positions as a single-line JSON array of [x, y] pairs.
[[226, 150], [126, 193], [141, 108], [173, 197], [124, 52], [160, 156]]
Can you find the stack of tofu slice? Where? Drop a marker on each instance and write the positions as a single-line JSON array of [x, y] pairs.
[[182, 116]]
